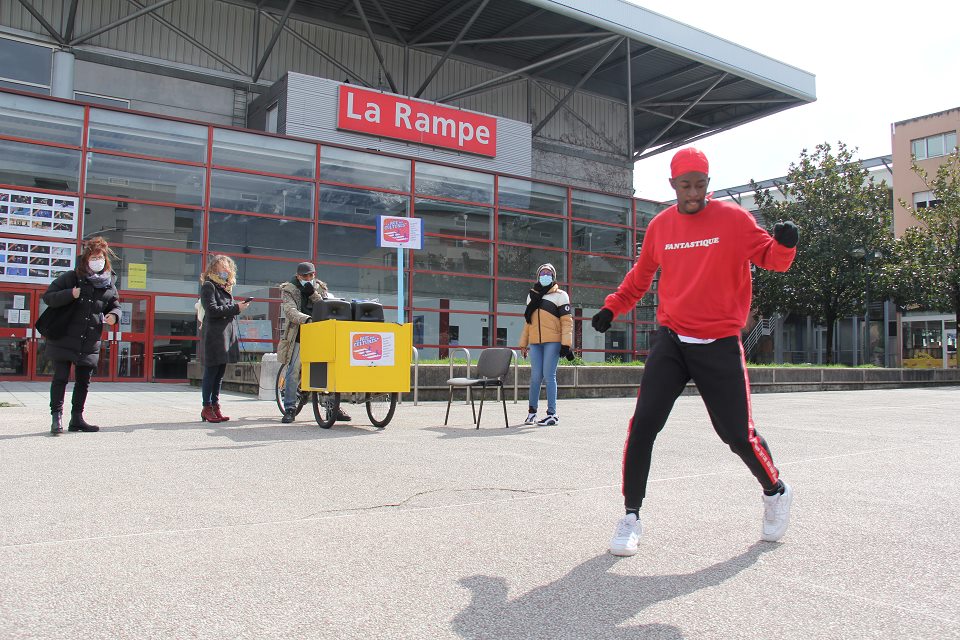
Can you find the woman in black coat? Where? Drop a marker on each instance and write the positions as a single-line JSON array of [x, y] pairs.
[[218, 338], [95, 301]]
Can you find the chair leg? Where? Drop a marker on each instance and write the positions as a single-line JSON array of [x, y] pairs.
[[483, 395], [506, 422], [472, 407], [449, 400]]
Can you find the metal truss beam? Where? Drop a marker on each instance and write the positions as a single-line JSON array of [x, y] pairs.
[[320, 52], [43, 21], [453, 45], [273, 41], [631, 58], [530, 67], [186, 36], [121, 21], [714, 130], [667, 116], [631, 135], [436, 24], [373, 43], [613, 146], [555, 36], [393, 27], [689, 106], [720, 102], [519, 24], [71, 20], [579, 85]]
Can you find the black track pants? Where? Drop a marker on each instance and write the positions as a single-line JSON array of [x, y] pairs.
[[719, 371]]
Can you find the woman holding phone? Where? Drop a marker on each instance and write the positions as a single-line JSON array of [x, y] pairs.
[[218, 338]]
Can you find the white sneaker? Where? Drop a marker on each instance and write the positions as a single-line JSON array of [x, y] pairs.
[[550, 420], [624, 542], [776, 514], [531, 418]]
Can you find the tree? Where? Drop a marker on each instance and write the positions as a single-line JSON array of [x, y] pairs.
[[927, 271], [840, 209]]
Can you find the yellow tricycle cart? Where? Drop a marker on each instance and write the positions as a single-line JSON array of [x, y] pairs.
[[369, 360]]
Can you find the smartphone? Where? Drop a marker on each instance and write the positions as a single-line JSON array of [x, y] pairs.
[[250, 299]]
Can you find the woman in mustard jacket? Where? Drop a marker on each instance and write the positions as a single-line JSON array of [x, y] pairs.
[[548, 333]]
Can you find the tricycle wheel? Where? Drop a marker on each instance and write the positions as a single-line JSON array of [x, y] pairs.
[[326, 406], [380, 408]]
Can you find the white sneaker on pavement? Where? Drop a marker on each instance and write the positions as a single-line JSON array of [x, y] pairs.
[[625, 538], [531, 418], [549, 421], [776, 514]]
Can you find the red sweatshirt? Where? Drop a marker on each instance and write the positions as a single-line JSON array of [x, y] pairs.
[[704, 259]]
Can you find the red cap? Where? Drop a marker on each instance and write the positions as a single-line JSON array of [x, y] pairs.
[[688, 160]]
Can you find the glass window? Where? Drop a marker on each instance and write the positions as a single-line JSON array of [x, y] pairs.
[[349, 283], [263, 153], [536, 230], [174, 316], [599, 206], [949, 142], [31, 165], [456, 184], [144, 180], [512, 295], [454, 219], [170, 358], [919, 149], [447, 254], [364, 169], [339, 204], [259, 277], [935, 146], [509, 329], [599, 239], [523, 194], [646, 210], [468, 294], [234, 233], [167, 271], [261, 194], [36, 119], [450, 329], [352, 245], [588, 299], [43, 91], [599, 269], [143, 224], [130, 133], [25, 62], [521, 262]]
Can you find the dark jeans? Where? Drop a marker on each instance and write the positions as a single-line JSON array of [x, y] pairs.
[[210, 386], [720, 373], [61, 373]]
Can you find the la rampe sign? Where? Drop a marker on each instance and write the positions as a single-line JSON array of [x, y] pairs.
[[390, 116]]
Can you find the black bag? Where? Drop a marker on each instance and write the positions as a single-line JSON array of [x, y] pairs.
[[53, 322]]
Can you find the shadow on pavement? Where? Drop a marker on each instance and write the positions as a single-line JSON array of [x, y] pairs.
[[588, 602], [485, 431]]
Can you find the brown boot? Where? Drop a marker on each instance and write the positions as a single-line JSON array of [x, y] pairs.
[[216, 409], [209, 415]]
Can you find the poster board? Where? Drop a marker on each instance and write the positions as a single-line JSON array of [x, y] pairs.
[[27, 261], [38, 214]]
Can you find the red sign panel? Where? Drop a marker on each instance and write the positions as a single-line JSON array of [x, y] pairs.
[[390, 116], [367, 346]]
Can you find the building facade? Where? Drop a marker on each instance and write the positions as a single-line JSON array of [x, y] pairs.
[[927, 339], [133, 125]]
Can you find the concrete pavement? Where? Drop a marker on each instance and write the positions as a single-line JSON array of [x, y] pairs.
[[161, 526]]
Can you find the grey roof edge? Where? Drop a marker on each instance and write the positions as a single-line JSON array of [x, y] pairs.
[[643, 25]]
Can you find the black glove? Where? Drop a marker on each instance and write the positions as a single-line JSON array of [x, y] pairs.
[[786, 233], [566, 352], [602, 319], [308, 289]]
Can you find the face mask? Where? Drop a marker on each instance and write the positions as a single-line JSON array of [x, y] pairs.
[[224, 275], [546, 281], [97, 265]]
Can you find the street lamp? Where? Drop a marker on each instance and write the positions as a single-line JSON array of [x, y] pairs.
[[867, 255]]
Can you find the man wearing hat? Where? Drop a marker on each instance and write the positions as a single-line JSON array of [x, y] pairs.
[[296, 302], [703, 249]]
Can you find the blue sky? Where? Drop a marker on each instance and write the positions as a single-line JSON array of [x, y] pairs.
[[872, 69]]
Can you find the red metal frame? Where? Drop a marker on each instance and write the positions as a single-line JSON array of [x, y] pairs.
[[318, 182]]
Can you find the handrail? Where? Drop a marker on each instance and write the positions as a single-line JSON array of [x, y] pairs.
[[416, 375], [450, 355]]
